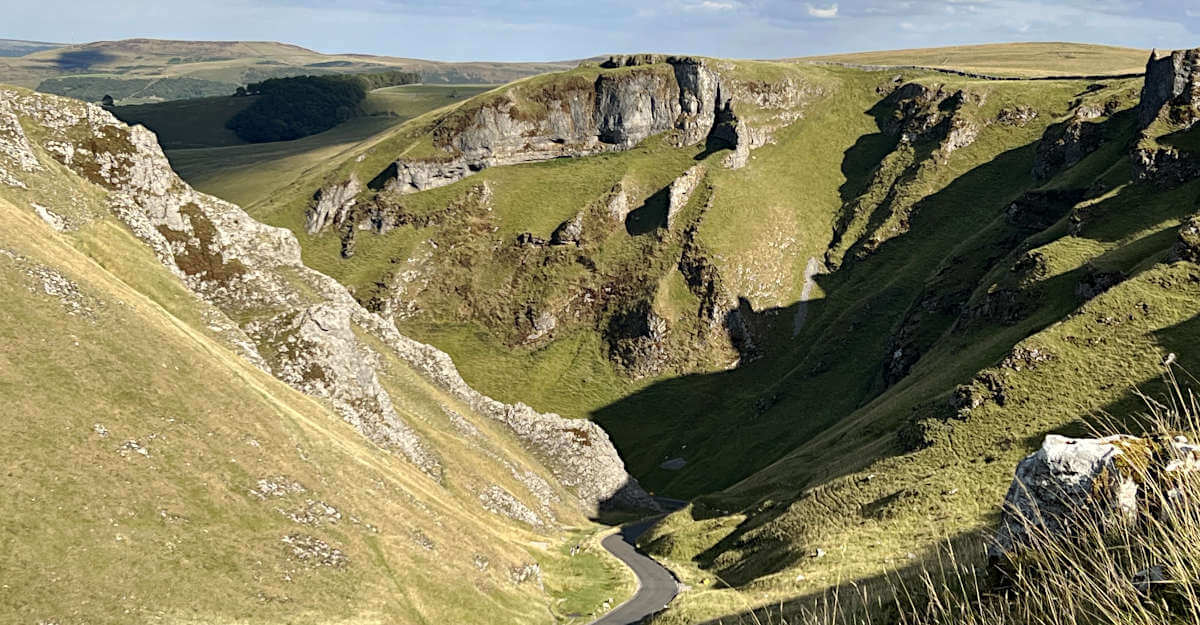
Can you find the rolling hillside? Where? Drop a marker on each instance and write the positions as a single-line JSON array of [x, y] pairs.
[[1010, 59], [149, 70]]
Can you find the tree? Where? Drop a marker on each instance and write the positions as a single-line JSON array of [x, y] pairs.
[[107, 100], [241, 91]]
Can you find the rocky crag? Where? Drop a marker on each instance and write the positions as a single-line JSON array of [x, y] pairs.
[[576, 115], [296, 323]]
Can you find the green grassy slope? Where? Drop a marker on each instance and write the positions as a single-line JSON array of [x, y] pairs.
[[155, 474], [967, 311]]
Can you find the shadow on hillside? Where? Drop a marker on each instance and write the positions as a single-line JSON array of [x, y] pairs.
[[730, 424], [651, 215], [77, 59], [881, 598]]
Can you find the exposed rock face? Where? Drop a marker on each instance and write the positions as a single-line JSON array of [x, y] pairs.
[[720, 312], [568, 231], [700, 98], [16, 154], [1056, 488], [618, 204], [681, 191], [1065, 144], [1187, 248], [411, 176], [1164, 165], [629, 109], [637, 339], [332, 204], [576, 117], [1071, 484], [1018, 116], [298, 324], [1172, 81]]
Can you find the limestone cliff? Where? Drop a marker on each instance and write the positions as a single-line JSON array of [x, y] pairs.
[[296, 323], [1174, 81], [575, 115]]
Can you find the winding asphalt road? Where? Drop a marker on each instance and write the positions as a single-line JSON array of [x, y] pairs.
[[656, 586]]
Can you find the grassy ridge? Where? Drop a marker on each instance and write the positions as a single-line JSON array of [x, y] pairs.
[[1010, 59]]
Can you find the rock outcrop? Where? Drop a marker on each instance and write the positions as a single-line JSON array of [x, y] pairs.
[[1164, 165], [680, 192], [1065, 144], [331, 205], [298, 324], [569, 231], [1071, 485], [1172, 83], [573, 116]]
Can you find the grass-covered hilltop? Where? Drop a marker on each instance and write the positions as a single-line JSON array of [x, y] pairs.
[[831, 302]]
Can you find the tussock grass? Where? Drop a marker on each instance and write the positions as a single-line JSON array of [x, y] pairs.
[[1104, 570]]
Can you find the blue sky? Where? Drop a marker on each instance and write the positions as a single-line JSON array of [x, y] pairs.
[[569, 29]]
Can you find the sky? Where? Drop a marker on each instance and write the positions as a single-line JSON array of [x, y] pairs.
[[531, 30]]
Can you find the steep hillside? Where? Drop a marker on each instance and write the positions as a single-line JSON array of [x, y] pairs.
[[837, 303], [150, 70], [234, 422]]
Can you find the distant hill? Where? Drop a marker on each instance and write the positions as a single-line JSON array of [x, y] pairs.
[[19, 47], [150, 70], [1010, 59]]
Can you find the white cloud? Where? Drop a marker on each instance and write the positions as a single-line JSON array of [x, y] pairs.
[[709, 5], [829, 13]]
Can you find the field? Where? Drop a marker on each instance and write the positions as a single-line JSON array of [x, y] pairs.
[[1010, 59]]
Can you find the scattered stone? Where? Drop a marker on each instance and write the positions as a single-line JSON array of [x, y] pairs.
[[499, 501], [276, 487], [313, 513], [314, 551], [1019, 116], [54, 220], [522, 574], [100, 429], [1026, 358], [422, 540], [132, 446]]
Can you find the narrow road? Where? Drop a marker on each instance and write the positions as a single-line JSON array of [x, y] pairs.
[[656, 586]]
